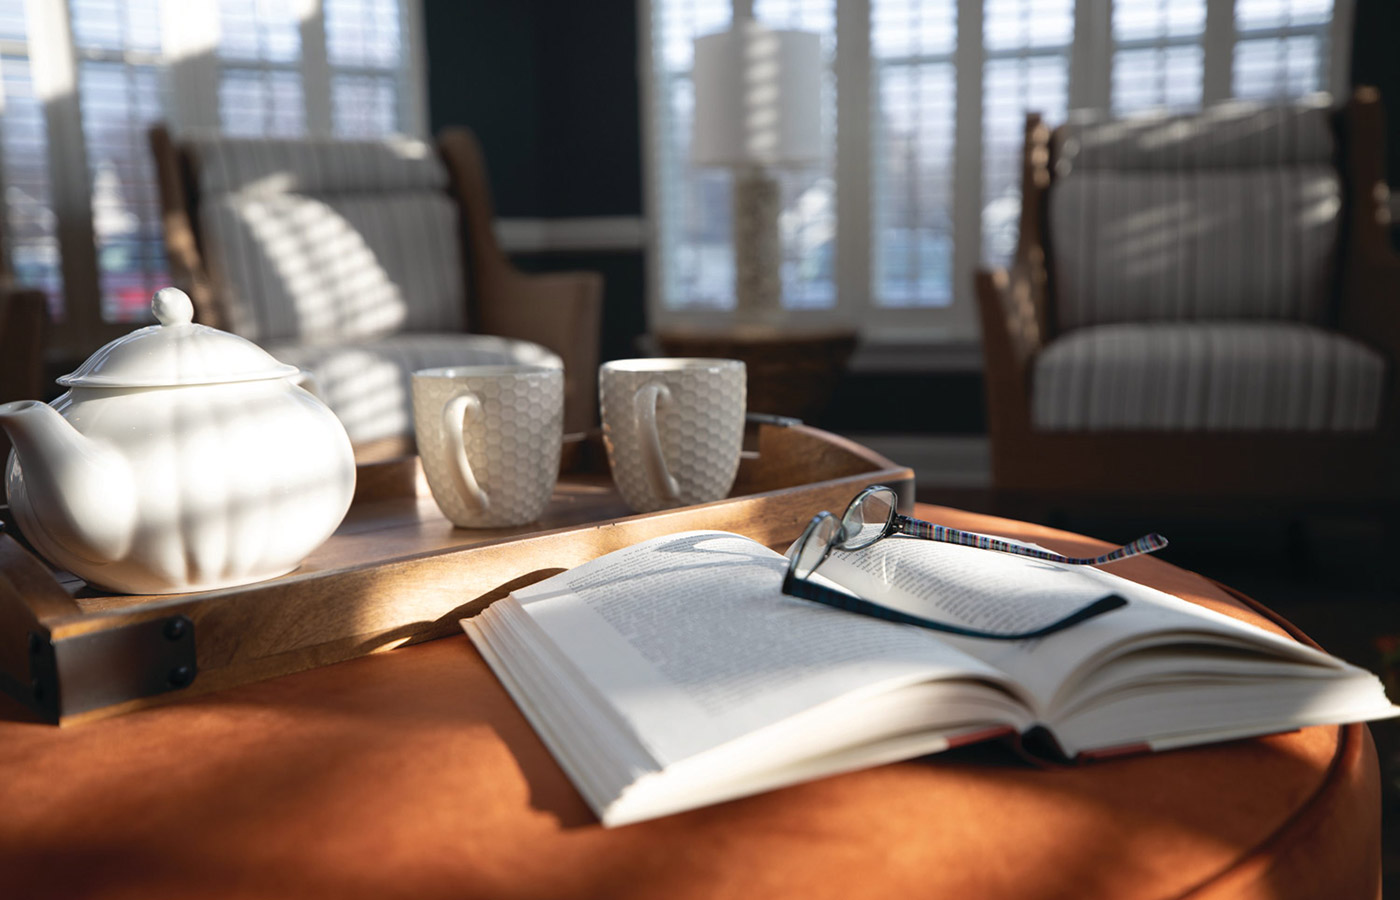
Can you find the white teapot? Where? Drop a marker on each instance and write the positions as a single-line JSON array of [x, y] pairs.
[[182, 458]]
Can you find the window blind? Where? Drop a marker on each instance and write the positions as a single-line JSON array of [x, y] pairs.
[[1282, 48], [119, 91], [29, 227], [693, 206], [117, 82], [1158, 58], [364, 47], [260, 83], [808, 217], [912, 131], [1027, 45]]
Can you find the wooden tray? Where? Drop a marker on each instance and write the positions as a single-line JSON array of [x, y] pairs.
[[395, 572]]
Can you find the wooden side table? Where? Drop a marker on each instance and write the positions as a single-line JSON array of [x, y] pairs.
[[791, 372]]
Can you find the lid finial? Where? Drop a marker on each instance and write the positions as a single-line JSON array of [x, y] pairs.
[[172, 306]]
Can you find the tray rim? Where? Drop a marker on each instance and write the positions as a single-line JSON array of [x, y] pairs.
[[54, 618]]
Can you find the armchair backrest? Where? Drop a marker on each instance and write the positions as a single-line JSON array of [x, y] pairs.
[[1231, 213], [325, 240]]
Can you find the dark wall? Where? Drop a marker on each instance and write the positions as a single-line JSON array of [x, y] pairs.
[[590, 108], [483, 73], [550, 88], [1375, 60]]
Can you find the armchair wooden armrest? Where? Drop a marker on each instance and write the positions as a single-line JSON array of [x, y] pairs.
[[1014, 303], [1010, 303], [24, 319], [1370, 302], [558, 310], [183, 259]]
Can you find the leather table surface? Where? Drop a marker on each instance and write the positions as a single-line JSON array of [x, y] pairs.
[[412, 774]]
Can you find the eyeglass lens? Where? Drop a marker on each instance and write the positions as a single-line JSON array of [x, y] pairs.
[[867, 518], [817, 541]]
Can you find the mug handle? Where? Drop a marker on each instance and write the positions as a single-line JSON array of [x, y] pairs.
[[644, 406], [454, 422]]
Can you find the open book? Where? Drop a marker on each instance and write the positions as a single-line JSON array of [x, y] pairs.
[[675, 673]]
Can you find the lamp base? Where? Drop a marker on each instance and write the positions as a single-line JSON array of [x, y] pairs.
[[758, 249]]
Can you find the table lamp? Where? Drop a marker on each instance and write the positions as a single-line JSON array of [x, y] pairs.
[[757, 109]]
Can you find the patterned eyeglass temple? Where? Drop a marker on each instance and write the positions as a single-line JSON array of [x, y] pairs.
[[920, 529], [873, 515]]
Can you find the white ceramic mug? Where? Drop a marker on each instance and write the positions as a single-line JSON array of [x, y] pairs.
[[673, 428], [489, 439]]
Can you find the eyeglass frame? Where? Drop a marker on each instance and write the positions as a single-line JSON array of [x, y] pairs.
[[898, 524]]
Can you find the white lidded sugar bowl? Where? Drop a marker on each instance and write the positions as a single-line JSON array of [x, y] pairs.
[[181, 458]]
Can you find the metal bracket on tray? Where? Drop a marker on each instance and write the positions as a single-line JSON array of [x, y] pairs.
[[104, 668]]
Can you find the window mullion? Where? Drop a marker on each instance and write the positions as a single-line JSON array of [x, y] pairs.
[[1091, 55], [413, 77], [315, 68], [854, 101], [53, 68], [190, 40], [967, 157], [1338, 39], [1218, 45], [651, 94]]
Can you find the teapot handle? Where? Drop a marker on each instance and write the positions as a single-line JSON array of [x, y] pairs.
[[454, 422]]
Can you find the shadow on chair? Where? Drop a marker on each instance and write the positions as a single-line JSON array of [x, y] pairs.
[[362, 261]]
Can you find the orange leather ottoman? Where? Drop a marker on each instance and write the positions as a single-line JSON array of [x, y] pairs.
[[412, 774]]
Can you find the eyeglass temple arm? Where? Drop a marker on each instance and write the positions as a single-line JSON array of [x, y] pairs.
[[929, 531]]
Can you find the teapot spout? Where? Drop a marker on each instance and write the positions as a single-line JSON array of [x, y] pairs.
[[79, 492]]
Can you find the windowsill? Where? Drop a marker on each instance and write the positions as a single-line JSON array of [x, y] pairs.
[[882, 354]]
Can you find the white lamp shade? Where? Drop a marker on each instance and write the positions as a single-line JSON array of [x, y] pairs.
[[757, 97]]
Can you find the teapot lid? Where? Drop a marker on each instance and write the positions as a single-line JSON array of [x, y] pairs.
[[176, 352]]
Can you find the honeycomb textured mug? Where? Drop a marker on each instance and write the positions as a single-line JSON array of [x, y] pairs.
[[489, 438], [673, 428]]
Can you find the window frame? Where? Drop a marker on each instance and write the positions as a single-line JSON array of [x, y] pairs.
[[1091, 53], [189, 70]]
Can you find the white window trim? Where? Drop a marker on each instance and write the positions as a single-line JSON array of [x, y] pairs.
[[191, 71], [1089, 86]]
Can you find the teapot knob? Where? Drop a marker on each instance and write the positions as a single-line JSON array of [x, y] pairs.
[[172, 306]]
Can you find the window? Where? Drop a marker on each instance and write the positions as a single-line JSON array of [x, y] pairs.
[[927, 127], [1027, 45], [1158, 59], [698, 260], [364, 47], [260, 60], [82, 81], [118, 50], [915, 83], [808, 219], [1282, 49], [29, 227]]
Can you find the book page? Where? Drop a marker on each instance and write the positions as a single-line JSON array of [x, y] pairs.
[[690, 638], [1001, 591]]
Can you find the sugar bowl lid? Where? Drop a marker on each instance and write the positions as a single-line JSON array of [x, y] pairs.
[[176, 352]]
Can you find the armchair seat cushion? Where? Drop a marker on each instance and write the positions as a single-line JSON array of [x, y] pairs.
[[369, 384], [1211, 376]]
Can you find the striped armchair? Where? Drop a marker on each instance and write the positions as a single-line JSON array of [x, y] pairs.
[[1199, 306], [361, 261]]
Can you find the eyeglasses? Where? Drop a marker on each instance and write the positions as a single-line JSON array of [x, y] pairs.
[[873, 515]]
